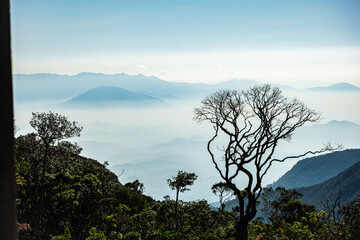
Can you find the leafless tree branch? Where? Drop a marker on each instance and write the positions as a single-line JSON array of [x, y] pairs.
[[253, 122]]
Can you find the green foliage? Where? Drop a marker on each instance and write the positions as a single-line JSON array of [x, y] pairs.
[[352, 219], [196, 221], [82, 199], [132, 236], [135, 186], [94, 234], [66, 235], [288, 218], [223, 191], [77, 190], [51, 127], [181, 181], [284, 205]]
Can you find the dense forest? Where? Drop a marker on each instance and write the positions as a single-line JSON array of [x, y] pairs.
[[62, 195]]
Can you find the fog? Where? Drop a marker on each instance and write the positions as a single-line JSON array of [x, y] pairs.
[[152, 144], [332, 105]]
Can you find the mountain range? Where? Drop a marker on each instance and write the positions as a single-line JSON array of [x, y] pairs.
[[54, 86], [170, 152], [112, 96], [338, 87], [315, 170], [345, 185], [136, 140], [321, 179]]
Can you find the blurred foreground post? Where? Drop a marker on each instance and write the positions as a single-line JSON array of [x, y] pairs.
[[7, 171]]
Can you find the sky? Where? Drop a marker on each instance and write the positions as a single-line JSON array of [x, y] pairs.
[[303, 44], [285, 41]]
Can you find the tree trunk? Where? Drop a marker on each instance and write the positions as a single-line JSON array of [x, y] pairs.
[[41, 208], [246, 213], [241, 229], [176, 210], [222, 207], [7, 170]]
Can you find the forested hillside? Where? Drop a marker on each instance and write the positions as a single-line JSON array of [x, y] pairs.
[[79, 198], [343, 187], [314, 170], [346, 186], [76, 194], [62, 195]]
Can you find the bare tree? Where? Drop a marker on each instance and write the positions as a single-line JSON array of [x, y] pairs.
[[249, 124]]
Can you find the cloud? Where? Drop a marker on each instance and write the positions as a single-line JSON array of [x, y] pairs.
[[226, 69], [142, 66], [220, 67]]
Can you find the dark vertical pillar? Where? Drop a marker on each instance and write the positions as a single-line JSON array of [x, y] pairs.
[[7, 172]]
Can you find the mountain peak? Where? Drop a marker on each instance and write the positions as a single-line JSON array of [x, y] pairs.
[[89, 74], [337, 87], [344, 86], [105, 95], [343, 122]]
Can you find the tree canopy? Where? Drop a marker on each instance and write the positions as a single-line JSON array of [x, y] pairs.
[[52, 127], [181, 181], [222, 190]]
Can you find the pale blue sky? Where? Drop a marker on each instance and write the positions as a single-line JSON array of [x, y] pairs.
[[198, 41]]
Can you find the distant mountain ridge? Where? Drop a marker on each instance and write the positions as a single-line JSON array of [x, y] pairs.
[[324, 176], [315, 170], [338, 87], [346, 184], [112, 96], [55, 86]]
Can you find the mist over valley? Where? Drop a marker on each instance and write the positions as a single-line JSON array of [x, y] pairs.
[[144, 128]]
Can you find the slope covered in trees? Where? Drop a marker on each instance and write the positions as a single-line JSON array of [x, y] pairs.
[[345, 185], [80, 193], [321, 169], [62, 195], [84, 200], [314, 170]]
